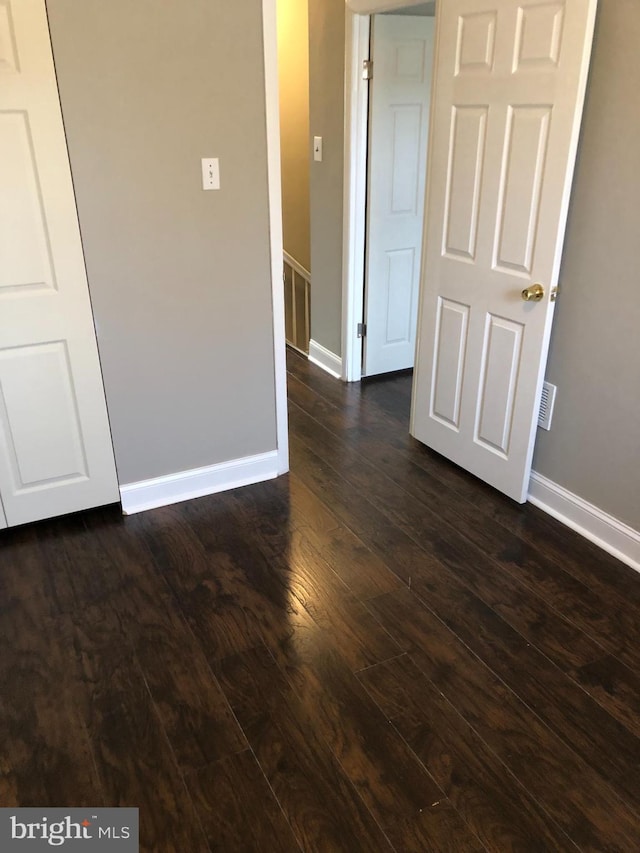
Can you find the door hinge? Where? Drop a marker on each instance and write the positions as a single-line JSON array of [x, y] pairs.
[[362, 330], [367, 69]]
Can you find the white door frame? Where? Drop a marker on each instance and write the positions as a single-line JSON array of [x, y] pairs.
[[274, 181], [356, 144]]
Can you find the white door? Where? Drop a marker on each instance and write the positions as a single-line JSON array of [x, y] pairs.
[[55, 444], [402, 53], [509, 87]]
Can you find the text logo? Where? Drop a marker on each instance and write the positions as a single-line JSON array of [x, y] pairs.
[[103, 830]]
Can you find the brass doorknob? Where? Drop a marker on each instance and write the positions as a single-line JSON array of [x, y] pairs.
[[534, 293]]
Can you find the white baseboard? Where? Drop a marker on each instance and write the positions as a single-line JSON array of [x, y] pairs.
[[186, 485], [325, 359], [599, 527]]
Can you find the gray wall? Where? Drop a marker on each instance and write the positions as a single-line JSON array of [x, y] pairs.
[[593, 448], [326, 111], [179, 278]]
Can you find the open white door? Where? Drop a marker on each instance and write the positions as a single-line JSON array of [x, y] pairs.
[[510, 78], [402, 51], [55, 444]]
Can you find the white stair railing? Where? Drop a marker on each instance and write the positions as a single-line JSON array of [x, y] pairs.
[[297, 301]]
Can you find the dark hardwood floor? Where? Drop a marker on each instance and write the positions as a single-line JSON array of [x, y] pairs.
[[376, 652]]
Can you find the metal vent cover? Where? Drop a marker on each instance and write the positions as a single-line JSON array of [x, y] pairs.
[[547, 402]]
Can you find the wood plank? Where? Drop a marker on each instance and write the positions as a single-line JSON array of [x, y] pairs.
[[388, 420], [589, 813], [421, 550], [238, 809], [317, 659], [615, 687], [194, 713], [336, 622], [27, 578], [134, 759], [133, 755], [227, 592], [346, 395], [424, 486], [362, 571], [579, 720], [242, 592], [409, 805], [485, 793], [526, 565], [618, 633], [47, 758], [321, 593], [557, 700], [289, 502], [320, 804]]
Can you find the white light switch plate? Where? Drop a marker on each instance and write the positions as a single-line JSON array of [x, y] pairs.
[[210, 173], [317, 149]]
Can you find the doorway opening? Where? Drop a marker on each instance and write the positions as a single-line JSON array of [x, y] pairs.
[[377, 212], [386, 158], [400, 75]]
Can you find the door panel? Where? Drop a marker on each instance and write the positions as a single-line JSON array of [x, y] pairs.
[[400, 94], [400, 277], [464, 180], [500, 363], [538, 36], [450, 349], [475, 42], [508, 95], [520, 187], [38, 411], [405, 172], [8, 52], [55, 444], [26, 263]]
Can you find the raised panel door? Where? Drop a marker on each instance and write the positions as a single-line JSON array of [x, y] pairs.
[[399, 120], [508, 95], [55, 445]]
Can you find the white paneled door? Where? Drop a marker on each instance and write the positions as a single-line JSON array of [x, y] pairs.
[[55, 445], [508, 96], [398, 129]]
